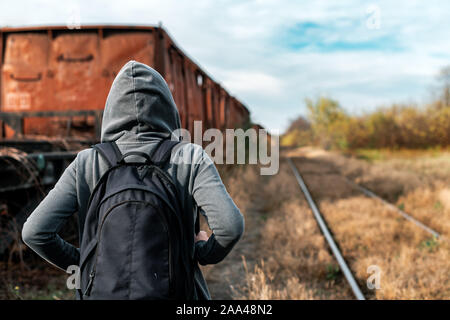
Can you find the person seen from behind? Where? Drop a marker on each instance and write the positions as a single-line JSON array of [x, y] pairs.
[[138, 229]]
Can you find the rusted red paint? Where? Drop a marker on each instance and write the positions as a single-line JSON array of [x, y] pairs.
[[194, 94], [2, 133], [223, 108], [238, 114], [57, 69]]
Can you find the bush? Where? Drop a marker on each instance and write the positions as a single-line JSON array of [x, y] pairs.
[[329, 122], [397, 126]]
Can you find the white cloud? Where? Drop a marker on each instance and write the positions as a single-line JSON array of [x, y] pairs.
[[240, 44], [253, 82]]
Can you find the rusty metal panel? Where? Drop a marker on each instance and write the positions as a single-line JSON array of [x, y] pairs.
[[180, 90], [2, 130], [160, 51], [216, 104], [24, 78], [56, 69], [194, 95], [23, 72], [75, 71], [119, 46], [235, 117], [241, 114], [174, 76], [245, 114], [209, 102], [169, 75], [223, 108], [230, 120]]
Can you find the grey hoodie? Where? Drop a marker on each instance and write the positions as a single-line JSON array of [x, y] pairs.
[[139, 112]]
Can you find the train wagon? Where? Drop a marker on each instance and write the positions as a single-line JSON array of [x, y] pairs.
[[55, 80]]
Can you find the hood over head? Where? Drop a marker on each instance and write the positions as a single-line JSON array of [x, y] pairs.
[[139, 107]]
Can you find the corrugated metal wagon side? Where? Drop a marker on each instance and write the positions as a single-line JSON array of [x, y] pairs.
[[54, 81]]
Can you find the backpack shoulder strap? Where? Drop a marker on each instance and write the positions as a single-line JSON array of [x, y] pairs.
[[160, 156], [109, 151], [162, 151]]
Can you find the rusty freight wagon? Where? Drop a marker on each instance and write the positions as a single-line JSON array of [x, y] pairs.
[[54, 81], [53, 86]]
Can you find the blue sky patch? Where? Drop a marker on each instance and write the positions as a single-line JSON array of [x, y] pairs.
[[313, 36]]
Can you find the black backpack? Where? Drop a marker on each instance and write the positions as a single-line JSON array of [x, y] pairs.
[[134, 244]]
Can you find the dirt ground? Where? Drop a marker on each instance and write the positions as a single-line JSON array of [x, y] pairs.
[[225, 278]]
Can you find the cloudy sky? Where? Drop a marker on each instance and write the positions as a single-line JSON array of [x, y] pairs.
[[272, 54]]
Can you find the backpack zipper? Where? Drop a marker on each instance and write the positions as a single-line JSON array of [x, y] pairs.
[[93, 270]]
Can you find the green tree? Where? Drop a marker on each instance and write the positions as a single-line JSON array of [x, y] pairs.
[[329, 122]]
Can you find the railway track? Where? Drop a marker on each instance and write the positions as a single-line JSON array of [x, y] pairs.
[[329, 235], [405, 215]]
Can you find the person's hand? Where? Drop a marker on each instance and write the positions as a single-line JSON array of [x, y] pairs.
[[201, 236]]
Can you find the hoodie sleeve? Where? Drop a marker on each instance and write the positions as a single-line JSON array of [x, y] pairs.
[[40, 231], [221, 213]]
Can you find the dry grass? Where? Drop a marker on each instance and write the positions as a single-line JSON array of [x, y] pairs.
[[38, 283], [223, 278], [294, 262], [413, 264], [259, 286], [418, 184], [431, 205], [283, 255]]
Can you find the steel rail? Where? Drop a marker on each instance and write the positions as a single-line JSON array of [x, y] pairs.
[[408, 217], [323, 227]]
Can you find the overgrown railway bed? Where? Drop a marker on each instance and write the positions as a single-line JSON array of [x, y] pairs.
[[368, 234], [327, 234], [413, 259]]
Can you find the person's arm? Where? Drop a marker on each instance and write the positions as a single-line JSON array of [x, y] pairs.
[[222, 215], [40, 231]]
